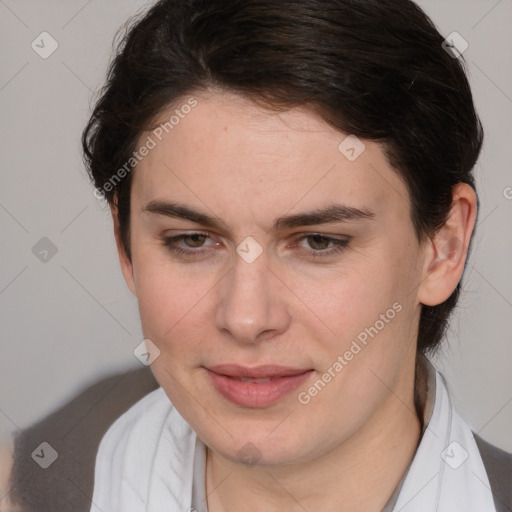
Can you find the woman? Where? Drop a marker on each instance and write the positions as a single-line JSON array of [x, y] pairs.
[[293, 202]]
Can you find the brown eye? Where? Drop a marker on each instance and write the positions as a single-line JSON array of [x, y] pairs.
[[318, 242], [189, 244], [321, 246], [197, 239]]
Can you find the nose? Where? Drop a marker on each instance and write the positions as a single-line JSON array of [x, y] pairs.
[[252, 306]]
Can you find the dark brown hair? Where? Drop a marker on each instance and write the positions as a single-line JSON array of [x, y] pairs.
[[372, 68]]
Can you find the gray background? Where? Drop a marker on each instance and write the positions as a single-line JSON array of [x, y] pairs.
[[69, 321]]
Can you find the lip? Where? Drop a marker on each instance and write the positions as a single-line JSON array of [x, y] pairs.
[[226, 380], [256, 372]]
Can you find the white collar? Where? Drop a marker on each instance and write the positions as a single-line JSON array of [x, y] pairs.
[[447, 473]]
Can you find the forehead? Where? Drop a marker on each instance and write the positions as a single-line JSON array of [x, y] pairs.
[[229, 154]]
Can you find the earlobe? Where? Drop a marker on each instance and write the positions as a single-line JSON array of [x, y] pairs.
[[448, 249], [124, 260]]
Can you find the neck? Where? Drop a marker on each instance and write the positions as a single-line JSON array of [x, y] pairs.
[[359, 474]]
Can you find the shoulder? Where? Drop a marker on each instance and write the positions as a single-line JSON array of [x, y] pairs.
[[149, 444], [74, 431], [498, 465], [144, 418], [125, 456]]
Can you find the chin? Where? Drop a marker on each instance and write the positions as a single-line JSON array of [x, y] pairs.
[[260, 449]]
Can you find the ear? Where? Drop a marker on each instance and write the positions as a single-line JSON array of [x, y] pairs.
[[447, 250], [124, 260]]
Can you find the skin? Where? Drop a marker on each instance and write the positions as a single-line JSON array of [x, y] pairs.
[[247, 166]]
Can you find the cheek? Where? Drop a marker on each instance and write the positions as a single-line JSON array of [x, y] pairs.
[[160, 296], [174, 305], [167, 304], [370, 301], [347, 299]]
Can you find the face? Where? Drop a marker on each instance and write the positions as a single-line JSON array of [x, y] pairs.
[[261, 250]]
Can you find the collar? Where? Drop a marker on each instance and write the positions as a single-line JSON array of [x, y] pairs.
[[447, 472]]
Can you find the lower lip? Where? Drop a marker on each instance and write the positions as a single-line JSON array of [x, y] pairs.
[[256, 394]]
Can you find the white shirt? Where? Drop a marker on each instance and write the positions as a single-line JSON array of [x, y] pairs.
[[150, 460]]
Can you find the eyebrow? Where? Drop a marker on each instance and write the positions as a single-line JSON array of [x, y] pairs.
[[328, 214]]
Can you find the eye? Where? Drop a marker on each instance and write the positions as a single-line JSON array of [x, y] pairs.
[[192, 243], [324, 246], [193, 240]]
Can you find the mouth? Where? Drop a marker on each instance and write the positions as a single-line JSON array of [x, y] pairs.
[[257, 386]]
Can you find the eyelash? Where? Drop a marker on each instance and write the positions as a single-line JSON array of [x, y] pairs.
[[339, 245]]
